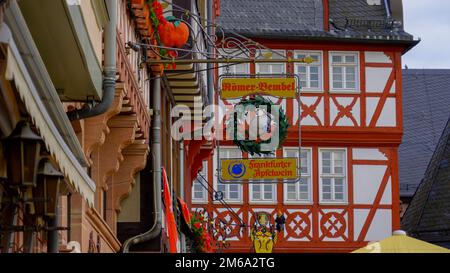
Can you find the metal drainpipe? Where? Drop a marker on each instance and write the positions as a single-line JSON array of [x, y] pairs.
[[109, 74], [210, 66], [182, 195], [52, 234], [155, 230]]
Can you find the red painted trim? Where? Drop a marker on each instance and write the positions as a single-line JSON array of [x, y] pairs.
[[382, 101], [326, 15], [379, 65], [399, 89], [326, 87], [362, 85], [350, 221], [395, 187], [369, 162], [376, 204], [316, 192]]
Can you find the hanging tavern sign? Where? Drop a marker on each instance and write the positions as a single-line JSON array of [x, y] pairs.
[[258, 169], [258, 126], [231, 88]]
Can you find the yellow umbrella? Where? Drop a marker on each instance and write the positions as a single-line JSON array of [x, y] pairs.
[[399, 242]]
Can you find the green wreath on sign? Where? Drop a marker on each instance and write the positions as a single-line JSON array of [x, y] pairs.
[[254, 146]]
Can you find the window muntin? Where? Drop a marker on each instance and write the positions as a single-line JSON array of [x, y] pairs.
[[199, 192], [332, 171], [299, 191], [263, 192], [232, 192], [310, 75], [344, 71]]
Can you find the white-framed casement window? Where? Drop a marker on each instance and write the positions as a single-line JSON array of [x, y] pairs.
[[311, 75], [231, 192], [271, 68], [344, 69], [332, 174], [199, 191], [242, 68], [263, 192], [299, 192]]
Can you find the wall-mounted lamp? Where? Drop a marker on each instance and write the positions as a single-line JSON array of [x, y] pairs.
[[22, 151], [46, 192]]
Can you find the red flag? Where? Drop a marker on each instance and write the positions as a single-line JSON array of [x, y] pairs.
[[171, 225]]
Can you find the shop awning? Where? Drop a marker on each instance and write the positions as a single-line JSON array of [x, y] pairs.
[[399, 242], [17, 72]]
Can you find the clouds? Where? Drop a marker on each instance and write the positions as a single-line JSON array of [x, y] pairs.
[[430, 21]]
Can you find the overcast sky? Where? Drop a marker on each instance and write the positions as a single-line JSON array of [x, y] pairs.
[[430, 21]]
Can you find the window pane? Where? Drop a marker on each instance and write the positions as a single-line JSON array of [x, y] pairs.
[[263, 69], [350, 59], [338, 162], [221, 187], [326, 162], [277, 68], [339, 196], [234, 187], [326, 196], [291, 196], [314, 84], [290, 188], [234, 195], [302, 69], [314, 77], [314, 70], [304, 162], [268, 195], [316, 58], [198, 195], [256, 195], [301, 56], [336, 59], [337, 84], [241, 68], [304, 196], [351, 85]]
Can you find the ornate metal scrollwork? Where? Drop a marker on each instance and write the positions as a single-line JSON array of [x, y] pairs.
[[226, 46]]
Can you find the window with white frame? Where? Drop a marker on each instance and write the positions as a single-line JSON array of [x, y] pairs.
[[310, 74], [242, 68], [231, 192], [299, 191], [199, 190], [271, 68], [333, 175], [263, 192], [344, 71]]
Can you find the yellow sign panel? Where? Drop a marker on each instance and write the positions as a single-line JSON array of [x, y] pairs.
[[231, 88], [258, 169]]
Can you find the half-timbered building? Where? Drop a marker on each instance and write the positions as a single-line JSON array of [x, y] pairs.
[[351, 124]]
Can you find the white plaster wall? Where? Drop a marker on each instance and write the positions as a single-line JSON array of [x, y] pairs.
[[359, 218], [386, 199], [381, 226], [388, 115], [366, 182], [368, 154], [376, 78], [376, 57], [371, 105]]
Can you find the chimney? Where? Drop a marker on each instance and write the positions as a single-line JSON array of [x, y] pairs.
[[397, 10]]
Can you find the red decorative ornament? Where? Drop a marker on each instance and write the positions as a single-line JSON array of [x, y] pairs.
[[173, 34]]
